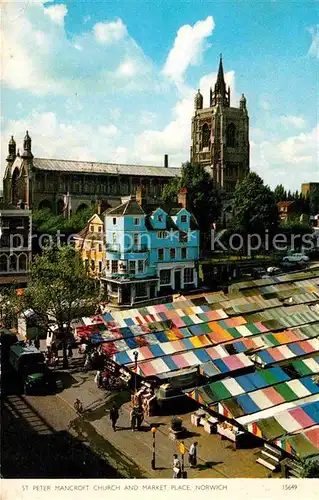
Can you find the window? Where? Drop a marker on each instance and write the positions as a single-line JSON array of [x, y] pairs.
[[183, 218], [115, 266], [183, 237], [114, 221], [23, 262], [20, 224], [161, 234], [205, 136], [172, 253], [231, 135], [183, 253], [140, 266], [92, 229], [99, 229], [135, 239], [100, 266], [107, 265], [114, 238], [188, 275], [92, 265], [100, 247], [141, 290], [160, 218], [160, 254], [13, 263], [131, 266], [3, 263], [165, 277], [136, 222]]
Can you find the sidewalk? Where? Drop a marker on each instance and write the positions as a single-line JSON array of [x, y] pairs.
[[216, 458]]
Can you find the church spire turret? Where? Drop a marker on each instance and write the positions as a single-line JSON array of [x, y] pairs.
[[220, 87], [11, 150], [27, 153]]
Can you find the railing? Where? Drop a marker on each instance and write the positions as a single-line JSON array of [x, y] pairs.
[[131, 249]]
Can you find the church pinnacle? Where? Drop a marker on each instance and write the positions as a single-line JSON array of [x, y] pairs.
[[220, 94]]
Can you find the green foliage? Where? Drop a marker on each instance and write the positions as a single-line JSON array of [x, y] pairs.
[[314, 200], [280, 193], [59, 286], [204, 199], [311, 468], [255, 208], [46, 222]]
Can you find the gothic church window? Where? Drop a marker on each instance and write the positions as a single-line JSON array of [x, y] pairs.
[[231, 135], [205, 136]]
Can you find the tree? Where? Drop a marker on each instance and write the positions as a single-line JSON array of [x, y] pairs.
[[280, 193], [59, 286], [203, 197], [314, 200], [255, 208], [45, 221]]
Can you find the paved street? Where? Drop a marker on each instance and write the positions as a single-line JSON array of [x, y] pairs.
[[87, 446]]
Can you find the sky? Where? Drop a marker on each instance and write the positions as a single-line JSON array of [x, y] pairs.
[[114, 81]]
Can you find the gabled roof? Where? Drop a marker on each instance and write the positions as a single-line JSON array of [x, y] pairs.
[[130, 207], [284, 203], [74, 166]]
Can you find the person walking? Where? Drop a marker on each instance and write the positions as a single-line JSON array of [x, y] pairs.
[[133, 418], [192, 455], [176, 467], [139, 417], [114, 416]]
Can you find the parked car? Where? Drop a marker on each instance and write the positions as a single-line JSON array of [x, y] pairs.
[[299, 258]]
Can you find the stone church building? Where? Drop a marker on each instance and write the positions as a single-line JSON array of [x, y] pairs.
[[219, 141], [220, 135], [62, 185]]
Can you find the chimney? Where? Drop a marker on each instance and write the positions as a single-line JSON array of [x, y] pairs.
[[99, 208], [182, 197], [166, 161]]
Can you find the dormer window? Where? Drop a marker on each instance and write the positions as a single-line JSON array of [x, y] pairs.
[[114, 221], [160, 218], [183, 218], [92, 229], [136, 222], [100, 229]]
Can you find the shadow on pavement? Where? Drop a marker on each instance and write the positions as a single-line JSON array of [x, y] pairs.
[[207, 465], [31, 448]]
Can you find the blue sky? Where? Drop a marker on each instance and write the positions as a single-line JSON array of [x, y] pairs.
[[114, 81]]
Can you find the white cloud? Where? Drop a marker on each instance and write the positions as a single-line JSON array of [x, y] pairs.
[[189, 44], [52, 63], [57, 13], [295, 121], [174, 138], [71, 140], [127, 68], [314, 47], [109, 131], [110, 32], [291, 161]]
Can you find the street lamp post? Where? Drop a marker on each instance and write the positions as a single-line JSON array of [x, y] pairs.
[[135, 354], [153, 457]]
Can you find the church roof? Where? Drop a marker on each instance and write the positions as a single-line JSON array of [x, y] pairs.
[[73, 166]]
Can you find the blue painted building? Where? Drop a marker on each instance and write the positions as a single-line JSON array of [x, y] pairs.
[[149, 252]]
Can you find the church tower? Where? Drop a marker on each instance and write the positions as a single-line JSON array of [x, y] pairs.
[[220, 135]]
